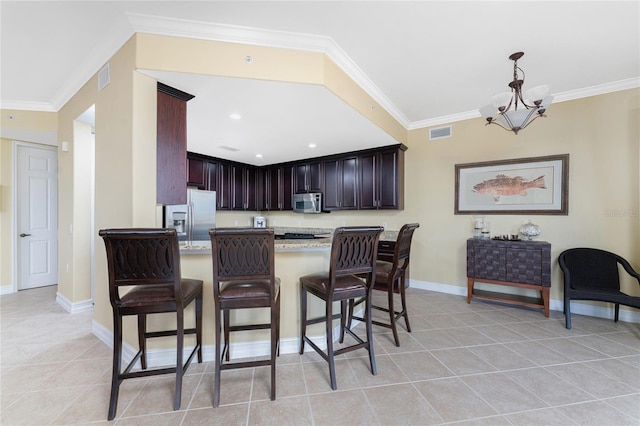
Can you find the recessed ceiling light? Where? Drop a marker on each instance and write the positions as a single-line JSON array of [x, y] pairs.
[[259, 155], [312, 145], [235, 116]]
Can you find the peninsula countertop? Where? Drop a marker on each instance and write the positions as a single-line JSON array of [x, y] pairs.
[[283, 245]]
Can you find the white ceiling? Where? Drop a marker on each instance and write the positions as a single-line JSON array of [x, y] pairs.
[[426, 62]]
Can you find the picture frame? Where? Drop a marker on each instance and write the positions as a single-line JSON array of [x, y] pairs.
[[534, 185]]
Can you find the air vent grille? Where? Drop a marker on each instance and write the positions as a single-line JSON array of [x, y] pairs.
[[228, 148], [103, 78], [440, 133]]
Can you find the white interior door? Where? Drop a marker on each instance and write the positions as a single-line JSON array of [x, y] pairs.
[[37, 215]]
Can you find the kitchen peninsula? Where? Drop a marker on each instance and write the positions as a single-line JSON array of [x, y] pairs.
[[294, 258]]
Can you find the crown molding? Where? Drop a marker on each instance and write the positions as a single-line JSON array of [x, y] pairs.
[[260, 37], [270, 38], [27, 106], [601, 89]]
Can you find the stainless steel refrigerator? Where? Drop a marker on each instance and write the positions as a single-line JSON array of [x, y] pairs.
[[193, 220]]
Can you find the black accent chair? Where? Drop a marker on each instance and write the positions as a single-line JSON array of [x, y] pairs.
[[592, 274], [390, 277], [243, 278], [353, 255], [149, 261]]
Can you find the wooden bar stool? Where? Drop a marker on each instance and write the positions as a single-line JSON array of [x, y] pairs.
[[353, 253], [149, 260], [243, 278], [390, 277]]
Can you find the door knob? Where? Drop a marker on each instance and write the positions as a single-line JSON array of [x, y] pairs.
[[25, 235]]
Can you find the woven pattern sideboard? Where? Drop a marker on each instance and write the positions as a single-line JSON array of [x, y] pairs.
[[522, 264]]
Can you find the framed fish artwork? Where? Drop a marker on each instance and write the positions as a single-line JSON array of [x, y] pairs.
[[535, 185]]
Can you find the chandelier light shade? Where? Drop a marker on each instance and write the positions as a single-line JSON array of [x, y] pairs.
[[514, 110]]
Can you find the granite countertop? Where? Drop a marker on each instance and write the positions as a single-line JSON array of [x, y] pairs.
[[291, 245]]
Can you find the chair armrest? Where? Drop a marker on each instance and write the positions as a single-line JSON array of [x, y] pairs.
[[627, 267]]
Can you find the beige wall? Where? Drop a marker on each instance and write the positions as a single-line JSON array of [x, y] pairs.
[[600, 134]]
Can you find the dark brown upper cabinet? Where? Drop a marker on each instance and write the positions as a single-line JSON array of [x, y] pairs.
[[223, 189], [278, 188], [244, 187], [197, 172], [171, 150], [307, 177], [368, 180], [341, 184], [381, 179]]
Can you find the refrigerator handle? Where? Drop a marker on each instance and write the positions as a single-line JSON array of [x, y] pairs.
[[191, 224]]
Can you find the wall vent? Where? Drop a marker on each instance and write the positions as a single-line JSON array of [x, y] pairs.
[[440, 133], [103, 78]]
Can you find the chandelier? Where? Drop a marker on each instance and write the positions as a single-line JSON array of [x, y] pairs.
[[512, 111]]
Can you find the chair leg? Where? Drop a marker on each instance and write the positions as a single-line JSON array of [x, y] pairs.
[[372, 358], [199, 327], [226, 324], [275, 308], [392, 314], [142, 340], [216, 378], [617, 314], [329, 331], [567, 312], [369, 325], [303, 317], [350, 317], [343, 318], [403, 299], [179, 358], [117, 365]]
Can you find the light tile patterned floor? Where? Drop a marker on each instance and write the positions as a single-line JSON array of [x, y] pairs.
[[478, 363]]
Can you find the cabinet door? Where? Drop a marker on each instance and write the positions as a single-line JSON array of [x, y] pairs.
[[285, 188], [340, 184], [196, 172], [490, 262], [223, 196], [368, 187], [349, 187], [300, 178], [314, 177], [524, 265], [171, 150], [237, 187], [271, 188], [212, 176], [331, 196], [389, 183], [308, 177], [252, 186]]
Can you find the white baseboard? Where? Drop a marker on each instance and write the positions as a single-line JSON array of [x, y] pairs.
[[164, 357], [601, 310], [74, 308], [6, 289]]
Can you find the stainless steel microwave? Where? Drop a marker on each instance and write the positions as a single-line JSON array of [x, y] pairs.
[[307, 203]]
